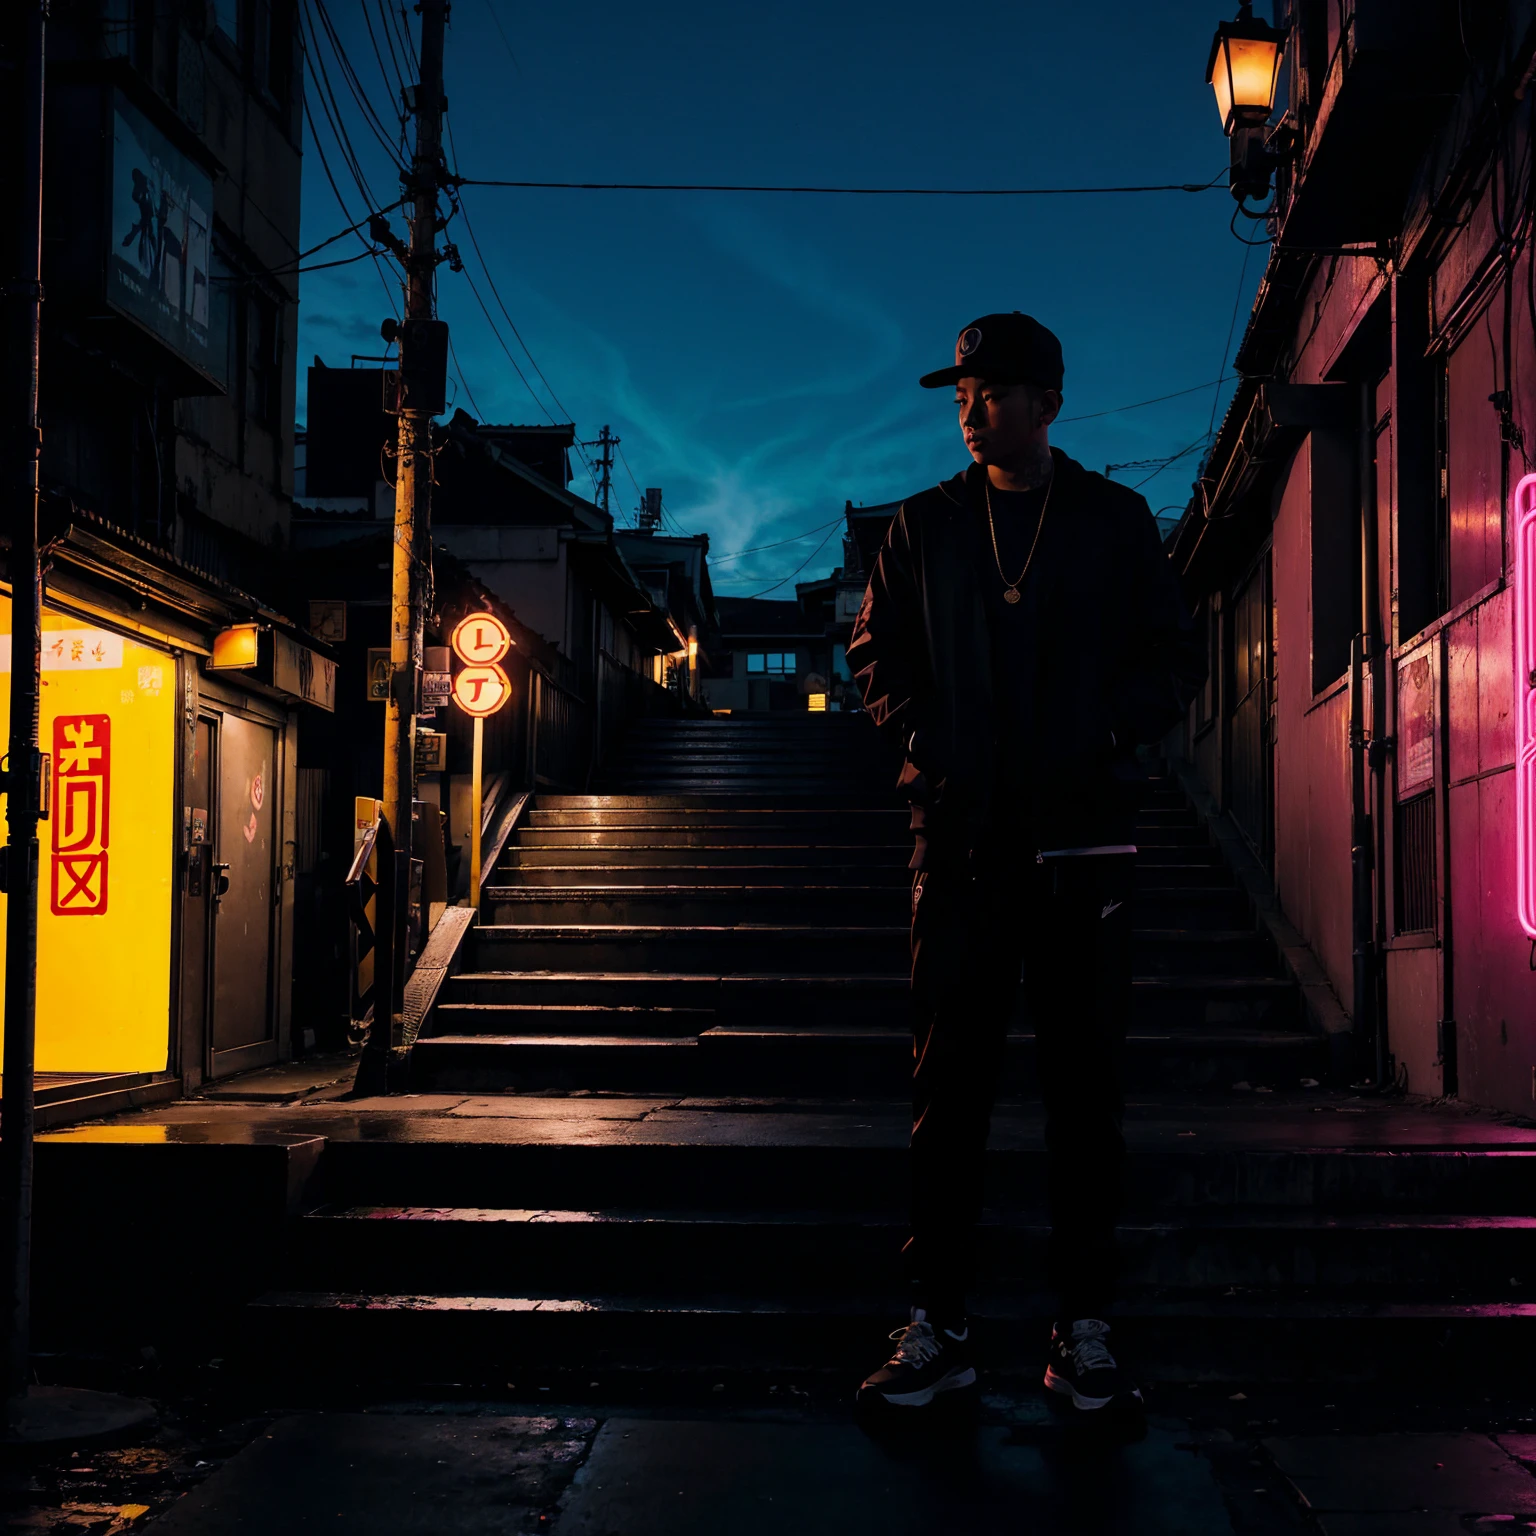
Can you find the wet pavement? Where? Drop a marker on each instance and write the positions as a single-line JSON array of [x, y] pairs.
[[1294, 1120], [783, 1461]]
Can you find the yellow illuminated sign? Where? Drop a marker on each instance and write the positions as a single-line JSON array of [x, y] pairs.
[[234, 647], [481, 640], [481, 691], [104, 882]]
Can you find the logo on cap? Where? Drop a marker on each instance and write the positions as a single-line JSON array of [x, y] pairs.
[[969, 341]]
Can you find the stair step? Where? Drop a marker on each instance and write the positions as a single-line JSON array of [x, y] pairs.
[[1188, 908], [1183, 1000], [693, 800], [682, 1253], [891, 856], [826, 947], [882, 825], [697, 1157], [857, 1060], [577, 870], [534, 1337]]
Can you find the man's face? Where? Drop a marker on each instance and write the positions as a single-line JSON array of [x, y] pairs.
[[1004, 424]]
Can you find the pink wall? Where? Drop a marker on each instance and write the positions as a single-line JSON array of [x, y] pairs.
[[1312, 870], [1493, 992]]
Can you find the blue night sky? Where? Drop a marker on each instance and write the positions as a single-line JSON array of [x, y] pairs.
[[758, 355]]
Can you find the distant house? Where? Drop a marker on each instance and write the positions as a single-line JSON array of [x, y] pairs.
[[503, 506], [674, 570], [777, 654]]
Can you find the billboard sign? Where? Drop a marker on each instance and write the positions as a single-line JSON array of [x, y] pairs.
[[158, 242], [107, 869]]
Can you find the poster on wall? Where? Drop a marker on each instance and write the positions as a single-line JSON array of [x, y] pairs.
[[109, 719], [158, 241], [1415, 724]]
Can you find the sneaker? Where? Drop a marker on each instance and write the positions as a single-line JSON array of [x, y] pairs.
[[1082, 1367], [927, 1361]]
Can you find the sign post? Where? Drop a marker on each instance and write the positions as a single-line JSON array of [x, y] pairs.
[[479, 689]]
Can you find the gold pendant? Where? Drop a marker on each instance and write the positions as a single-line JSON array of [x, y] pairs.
[[1010, 594]]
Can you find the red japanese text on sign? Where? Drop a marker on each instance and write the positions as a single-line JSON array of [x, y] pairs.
[[82, 756], [481, 639], [481, 690]]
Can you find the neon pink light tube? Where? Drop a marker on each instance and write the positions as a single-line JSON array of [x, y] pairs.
[[1525, 701]]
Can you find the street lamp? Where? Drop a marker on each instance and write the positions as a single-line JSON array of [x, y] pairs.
[[1244, 71]]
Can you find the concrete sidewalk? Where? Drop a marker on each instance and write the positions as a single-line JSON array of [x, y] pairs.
[[399, 1472]]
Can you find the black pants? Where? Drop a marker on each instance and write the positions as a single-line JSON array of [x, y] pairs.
[[1067, 922]]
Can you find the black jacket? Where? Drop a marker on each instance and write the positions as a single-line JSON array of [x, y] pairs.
[[1118, 661]]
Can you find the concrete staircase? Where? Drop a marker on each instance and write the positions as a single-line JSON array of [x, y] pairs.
[[685, 1015]]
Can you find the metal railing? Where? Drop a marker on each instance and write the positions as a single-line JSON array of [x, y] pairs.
[[562, 736], [361, 886]]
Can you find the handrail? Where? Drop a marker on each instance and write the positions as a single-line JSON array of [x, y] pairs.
[[360, 888], [363, 854], [498, 843]]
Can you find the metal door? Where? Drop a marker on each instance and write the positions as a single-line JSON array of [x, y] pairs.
[[243, 884], [197, 904], [1253, 772]]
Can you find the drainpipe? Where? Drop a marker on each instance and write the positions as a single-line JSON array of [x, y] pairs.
[[1364, 741]]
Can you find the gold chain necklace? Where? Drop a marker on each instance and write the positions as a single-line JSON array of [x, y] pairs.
[[1011, 592]]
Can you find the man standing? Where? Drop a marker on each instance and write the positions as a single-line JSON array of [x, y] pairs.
[[1022, 633]]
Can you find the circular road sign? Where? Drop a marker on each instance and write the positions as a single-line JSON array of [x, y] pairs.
[[481, 640], [481, 690]]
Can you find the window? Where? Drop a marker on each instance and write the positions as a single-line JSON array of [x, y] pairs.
[[1471, 449], [771, 664], [1414, 864], [264, 387], [1335, 552], [278, 46], [226, 18]]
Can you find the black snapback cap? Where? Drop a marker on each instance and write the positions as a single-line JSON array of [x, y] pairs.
[[1009, 349]]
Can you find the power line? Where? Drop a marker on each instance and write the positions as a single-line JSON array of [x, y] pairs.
[[1172, 459], [346, 212], [1194, 389], [332, 109], [780, 582], [350, 79], [463, 377], [502, 341], [1237, 304], [490, 5], [395, 86], [736, 554], [469, 229], [628, 471], [678, 186]]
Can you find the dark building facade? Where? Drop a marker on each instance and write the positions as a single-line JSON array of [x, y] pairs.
[[171, 224], [1351, 545]]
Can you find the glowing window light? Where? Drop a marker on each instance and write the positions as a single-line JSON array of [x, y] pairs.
[[1525, 701], [816, 702]]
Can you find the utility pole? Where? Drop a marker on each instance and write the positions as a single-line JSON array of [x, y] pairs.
[[422, 386], [607, 442], [32, 1416]]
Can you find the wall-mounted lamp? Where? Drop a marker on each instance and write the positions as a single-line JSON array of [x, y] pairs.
[[235, 647], [1244, 71]]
